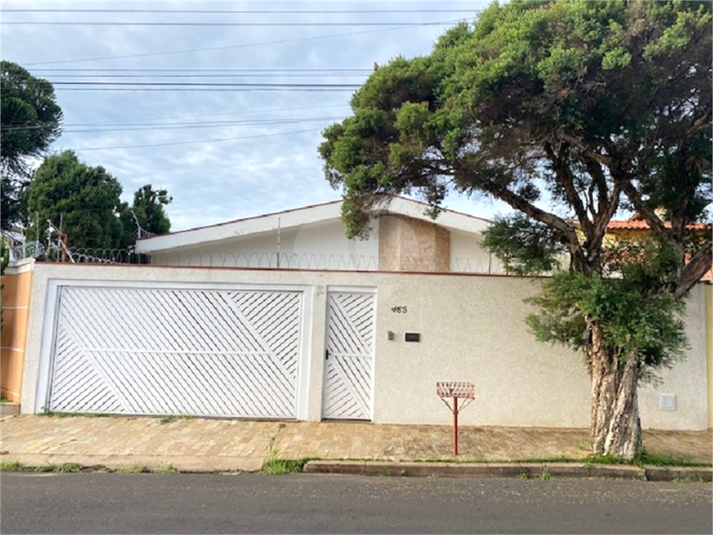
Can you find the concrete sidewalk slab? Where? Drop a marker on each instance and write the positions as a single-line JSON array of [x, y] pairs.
[[207, 445]]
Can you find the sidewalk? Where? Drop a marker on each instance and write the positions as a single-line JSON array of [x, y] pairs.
[[209, 445]]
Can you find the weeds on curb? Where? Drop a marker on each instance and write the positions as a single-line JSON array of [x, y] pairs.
[[273, 465], [133, 469], [11, 466], [168, 469]]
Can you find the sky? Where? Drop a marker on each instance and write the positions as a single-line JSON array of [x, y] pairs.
[[132, 86]]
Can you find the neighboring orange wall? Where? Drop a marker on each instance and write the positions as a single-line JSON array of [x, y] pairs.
[[16, 307]]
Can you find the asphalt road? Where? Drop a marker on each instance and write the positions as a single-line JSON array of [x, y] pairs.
[[306, 503]]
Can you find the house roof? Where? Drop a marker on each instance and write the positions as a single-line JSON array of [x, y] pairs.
[[306, 215], [640, 224]]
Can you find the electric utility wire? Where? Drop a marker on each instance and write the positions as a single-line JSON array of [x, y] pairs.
[[228, 47], [174, 126], [241, 11], [215, 24], [193, 142], [194, 115]]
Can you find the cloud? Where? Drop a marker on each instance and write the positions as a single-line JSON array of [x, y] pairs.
[[214, 172]]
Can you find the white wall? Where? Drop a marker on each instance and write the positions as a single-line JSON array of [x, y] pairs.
[[316, 246], [472, 329], [469, 256]]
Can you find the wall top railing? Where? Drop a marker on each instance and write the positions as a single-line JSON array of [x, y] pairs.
[[257, 259]]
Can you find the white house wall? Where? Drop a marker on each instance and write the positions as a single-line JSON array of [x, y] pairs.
[[316, 246], [469, 256], [471, 329]]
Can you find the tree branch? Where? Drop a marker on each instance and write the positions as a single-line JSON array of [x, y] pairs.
[[564, 230], [566, 181], [655, 223], [692, 272], [584, 151], [700, 124]]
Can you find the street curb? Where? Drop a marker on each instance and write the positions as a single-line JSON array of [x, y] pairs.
[[675, 473], [509, 470]]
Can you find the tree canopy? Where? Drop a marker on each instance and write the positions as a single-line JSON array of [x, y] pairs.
[[30, 122], [570, 112], [148, 208], [85, 199]]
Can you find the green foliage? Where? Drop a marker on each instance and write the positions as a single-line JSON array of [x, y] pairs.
[[168, 469], [133, 469], [516, 106], [594, 105], [638, 316], [525, 247], [30, 122], [85, 198], [11, 466], [273, 465], [147, 210]]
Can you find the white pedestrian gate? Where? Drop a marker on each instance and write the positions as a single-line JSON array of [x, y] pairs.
[[202, 352], [349, 358]]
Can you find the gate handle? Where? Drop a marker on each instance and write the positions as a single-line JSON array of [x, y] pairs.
[[326, 354]]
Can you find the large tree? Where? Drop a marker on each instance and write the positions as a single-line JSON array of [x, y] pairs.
[[146, 215], [569, 112], [84, 200], [31, 121]]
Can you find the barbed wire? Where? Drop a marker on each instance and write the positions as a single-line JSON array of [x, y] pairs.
[[256, 259]]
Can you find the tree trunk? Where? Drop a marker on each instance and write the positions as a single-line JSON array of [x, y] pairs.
[[615, 424]]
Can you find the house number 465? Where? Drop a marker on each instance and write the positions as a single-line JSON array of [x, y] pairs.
[[399, 310]]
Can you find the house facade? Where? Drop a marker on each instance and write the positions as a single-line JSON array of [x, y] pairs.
[[401, 238], [201, 331]]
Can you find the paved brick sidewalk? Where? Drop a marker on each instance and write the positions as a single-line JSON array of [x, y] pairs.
[[201, 444]]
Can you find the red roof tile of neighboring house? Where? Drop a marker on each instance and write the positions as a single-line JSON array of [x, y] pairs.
[[638, 224]]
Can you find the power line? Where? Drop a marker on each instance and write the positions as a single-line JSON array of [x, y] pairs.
[[192, 115], [242, 11], [74, 129], [210, 84], [204, 89], [90, 77], [228, 47], [109, 69], [197, 141], [220, 24]]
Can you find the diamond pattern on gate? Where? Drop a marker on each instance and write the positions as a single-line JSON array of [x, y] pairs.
[[350, 340], [160, 351]]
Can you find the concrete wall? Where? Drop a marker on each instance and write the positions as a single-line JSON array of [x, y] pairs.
[[469, 256], [16, 286], [316, 246], [396, 243], [471, 327], [407, 244]]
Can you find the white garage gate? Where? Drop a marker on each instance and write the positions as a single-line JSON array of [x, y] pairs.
[[155, 351]]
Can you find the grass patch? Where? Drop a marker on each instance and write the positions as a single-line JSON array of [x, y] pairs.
[[273, 465], [646, 459], [69, 468], [53, 414], [133, 469], [167, 420], [664, 459], [283, 466], [168, 469], [49, 467], [555, 459], [11, 466]]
